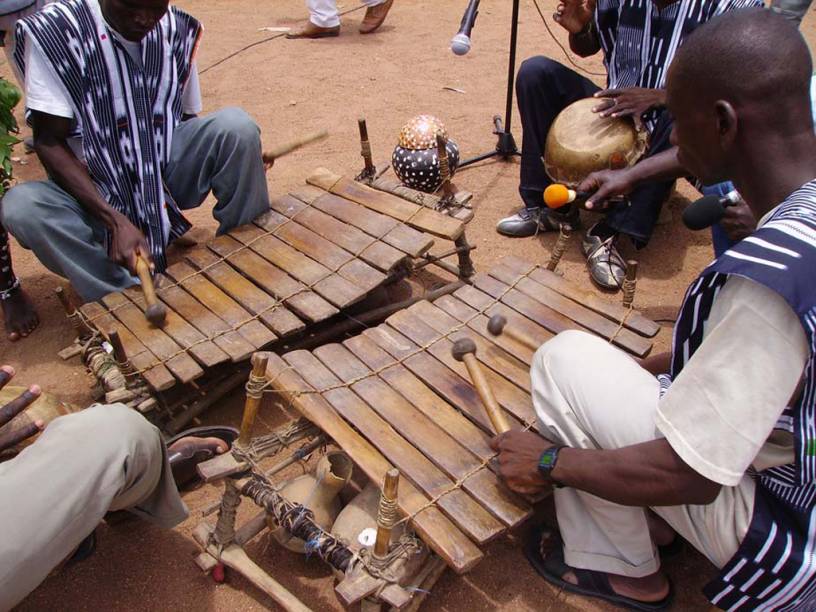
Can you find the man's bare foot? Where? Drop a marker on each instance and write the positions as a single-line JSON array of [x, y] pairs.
[[19, 315]]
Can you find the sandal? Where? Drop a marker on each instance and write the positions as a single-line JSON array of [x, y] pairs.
[[183, 461], [591, 583]]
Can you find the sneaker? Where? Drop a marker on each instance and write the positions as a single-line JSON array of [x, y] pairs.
[[520, 225], [553, 220], [606, 266]]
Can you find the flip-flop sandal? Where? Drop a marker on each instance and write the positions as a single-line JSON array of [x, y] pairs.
[[590, 583], [85, 549], [184, 461], [673, 549]]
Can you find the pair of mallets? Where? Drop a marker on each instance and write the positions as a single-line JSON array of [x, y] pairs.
[[464, 350], [156, 311]]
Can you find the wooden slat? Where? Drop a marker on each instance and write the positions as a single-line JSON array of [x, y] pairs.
[[463, 214], [200, 317], [302, 301], [382, 256], [155, 340], [493, 356], [634, 320], [220, 304], [157, 376], [318, 248], [330, 286], [435, 529], [573, 311], [424, 219], [464, 312], [269, 310], [436, 443], [200, 348], [457, 505], [509, 396], [389, 230]]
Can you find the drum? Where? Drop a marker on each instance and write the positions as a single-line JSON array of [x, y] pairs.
[[415, 158], [581, 142]]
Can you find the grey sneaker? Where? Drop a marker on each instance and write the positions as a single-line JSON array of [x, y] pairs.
[[520, 225], [606, 266]]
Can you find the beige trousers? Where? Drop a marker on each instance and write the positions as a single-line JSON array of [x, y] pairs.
[[588, 394], [323, 13], [55, 493]]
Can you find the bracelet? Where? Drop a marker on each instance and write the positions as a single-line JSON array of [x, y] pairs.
[[5, 294]]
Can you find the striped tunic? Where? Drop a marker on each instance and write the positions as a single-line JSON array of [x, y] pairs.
[[775, 566], [125, 113]]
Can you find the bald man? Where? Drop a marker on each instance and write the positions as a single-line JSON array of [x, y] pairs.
[[721, 445]]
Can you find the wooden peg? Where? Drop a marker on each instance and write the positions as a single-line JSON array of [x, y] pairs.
[[387, 515], [464, 350], [369, 170], [155, 311], [560, 247], [497, 325], [448, 192], [82, 329], [630, 283], [119, 353], [253, 396]]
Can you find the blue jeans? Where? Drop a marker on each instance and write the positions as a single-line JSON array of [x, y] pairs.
[[718, 236]]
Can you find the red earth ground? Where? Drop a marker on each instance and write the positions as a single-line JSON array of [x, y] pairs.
[[292, 87]]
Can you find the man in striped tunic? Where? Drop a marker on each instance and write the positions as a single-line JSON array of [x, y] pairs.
[[722, 447], [638, 39], [112, 93]]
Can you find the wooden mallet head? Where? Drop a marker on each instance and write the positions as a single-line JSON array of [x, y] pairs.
[[496, 325], [462, 347]]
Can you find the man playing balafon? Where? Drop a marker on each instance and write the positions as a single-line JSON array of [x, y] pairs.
[[638, 40], [112, 88], [725, 456]]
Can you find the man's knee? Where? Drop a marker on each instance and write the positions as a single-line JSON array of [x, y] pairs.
[[235, 123], [18, 209], [533, 71], [566, 354], [115, 428]]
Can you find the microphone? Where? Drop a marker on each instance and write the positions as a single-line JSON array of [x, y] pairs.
[[557, 196], [460, 44], [708, 210]]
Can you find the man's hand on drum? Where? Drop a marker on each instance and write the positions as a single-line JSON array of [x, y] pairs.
[[574, 15], [629, 102], [606, 184], [15, 407]]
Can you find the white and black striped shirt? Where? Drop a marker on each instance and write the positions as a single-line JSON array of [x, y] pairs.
[[639, 40]]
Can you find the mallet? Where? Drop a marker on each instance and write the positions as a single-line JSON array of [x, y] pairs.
[[270, 156], [464, 350], [156, 312], [497, 325]]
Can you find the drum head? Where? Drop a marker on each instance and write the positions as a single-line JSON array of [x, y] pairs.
[[581, 142]]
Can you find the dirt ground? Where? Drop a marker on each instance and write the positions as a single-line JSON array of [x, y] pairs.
[[292, 87]]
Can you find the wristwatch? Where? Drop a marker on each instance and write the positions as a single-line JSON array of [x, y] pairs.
[[547, 461]]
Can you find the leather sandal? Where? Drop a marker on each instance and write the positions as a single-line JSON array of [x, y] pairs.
[[310, 30], [375, 16], [184, 459]]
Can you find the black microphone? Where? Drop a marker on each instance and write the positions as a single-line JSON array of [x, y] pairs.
[[460, 44], [708, 210]]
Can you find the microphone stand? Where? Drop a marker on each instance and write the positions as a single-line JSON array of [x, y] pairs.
[[506, 144]]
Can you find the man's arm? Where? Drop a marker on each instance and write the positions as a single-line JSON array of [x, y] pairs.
[[51, 144]]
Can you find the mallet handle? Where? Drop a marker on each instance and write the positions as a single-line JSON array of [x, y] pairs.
[[494, 412], [520, 337], [143, 272], [293, 145]]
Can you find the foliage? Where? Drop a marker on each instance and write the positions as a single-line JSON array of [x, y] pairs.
[[9, 98]]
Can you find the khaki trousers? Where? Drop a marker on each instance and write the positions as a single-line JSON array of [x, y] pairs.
[[55, 493], [588, 394], [323, 13]]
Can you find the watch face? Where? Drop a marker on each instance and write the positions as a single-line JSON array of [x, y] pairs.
[[547, 459]]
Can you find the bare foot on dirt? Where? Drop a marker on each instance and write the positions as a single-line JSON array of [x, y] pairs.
[[19, 315]]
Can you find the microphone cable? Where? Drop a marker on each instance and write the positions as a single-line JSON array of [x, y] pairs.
[[567, 54]]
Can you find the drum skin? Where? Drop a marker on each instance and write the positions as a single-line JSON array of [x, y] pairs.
[[581, 142]]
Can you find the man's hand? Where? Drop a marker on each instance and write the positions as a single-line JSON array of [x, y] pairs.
[[519, 452], [629, 102], [738, 221], [13, 437], [606, 184], [574, 15], [126, 241]]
